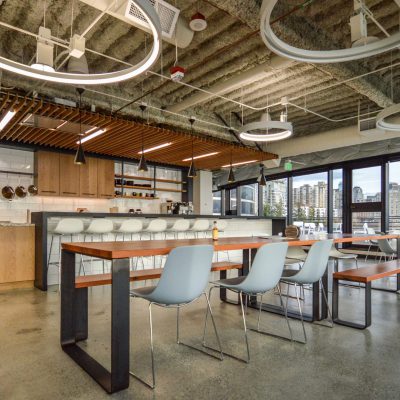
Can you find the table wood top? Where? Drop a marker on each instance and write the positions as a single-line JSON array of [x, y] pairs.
[[119, 249]]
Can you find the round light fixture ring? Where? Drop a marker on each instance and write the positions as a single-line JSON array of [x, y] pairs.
[[312, 56], [286, 130], [153, 20], [386, 113]]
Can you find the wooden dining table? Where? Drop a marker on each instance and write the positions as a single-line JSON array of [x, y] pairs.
[[74, 301]]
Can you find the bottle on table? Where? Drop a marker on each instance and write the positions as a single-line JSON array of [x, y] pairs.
[[215, 231]]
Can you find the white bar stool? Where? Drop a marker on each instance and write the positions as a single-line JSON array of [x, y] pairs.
[[157, 226], [64, 228], [200, 226], [180, 226], [100, 227], [132, 228], [222, 224]]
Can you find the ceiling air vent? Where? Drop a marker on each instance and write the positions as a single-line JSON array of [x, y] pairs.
[[168, 15], [367, 127]]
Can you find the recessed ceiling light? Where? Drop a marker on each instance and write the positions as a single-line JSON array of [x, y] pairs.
[[91, 136], [6, 119], [201, 156], [161, 146], [239, 163]]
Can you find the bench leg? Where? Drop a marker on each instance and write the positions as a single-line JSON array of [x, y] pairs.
[[367, 308]]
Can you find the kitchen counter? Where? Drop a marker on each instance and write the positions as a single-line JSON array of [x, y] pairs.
[[42, 221], [16, 224]]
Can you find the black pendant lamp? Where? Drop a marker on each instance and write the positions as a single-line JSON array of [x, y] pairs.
[[192, 169], [143, 163], [261, 179], [80, 153], [231, 176]]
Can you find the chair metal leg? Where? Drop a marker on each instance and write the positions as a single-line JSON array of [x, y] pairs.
[[327, 303], [177, 325], [300, 312], [153, 385], [244, 326]]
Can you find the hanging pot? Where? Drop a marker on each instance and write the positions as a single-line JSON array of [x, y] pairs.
[[8, 192], [21, 192], [33, 190]]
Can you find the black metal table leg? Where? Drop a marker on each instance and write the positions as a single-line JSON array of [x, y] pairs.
[[367, 310], [74, 322]]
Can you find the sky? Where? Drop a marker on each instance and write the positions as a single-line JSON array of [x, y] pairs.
[[367, 178]]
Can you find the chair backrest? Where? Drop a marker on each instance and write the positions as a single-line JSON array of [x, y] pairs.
[[69, 226], [201, 225], [181, 225], [296, 252], [185, 275], [100, 225], [371, 231], [385, 247], [132, 225], [298, 223], [157, 225], [266, 269], [365, 227], [316, 262]]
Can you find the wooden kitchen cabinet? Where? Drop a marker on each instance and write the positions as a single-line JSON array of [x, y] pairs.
[[88, 178], [69, 176], [47, 178], [105, 179]]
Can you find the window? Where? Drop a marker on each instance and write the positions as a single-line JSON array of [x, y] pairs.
[[217, 203], [275, 198], [249, 200], [310, 202], [337, 200], [366, 185], [394, 196]]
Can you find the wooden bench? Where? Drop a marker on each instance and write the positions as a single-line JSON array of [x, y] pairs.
[[146, 274], [365, 275]]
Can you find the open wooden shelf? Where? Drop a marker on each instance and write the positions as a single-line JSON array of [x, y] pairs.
[[151, 189], [144, 178], [137, 197], [134, 187]]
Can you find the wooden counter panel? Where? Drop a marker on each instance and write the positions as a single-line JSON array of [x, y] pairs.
[[17, 254]]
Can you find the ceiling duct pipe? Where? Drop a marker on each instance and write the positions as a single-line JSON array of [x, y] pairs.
[[175, 29], [247, 77]]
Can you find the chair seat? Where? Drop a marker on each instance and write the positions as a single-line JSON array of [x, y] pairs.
[[143, 292], [341, 256], [289, 272]]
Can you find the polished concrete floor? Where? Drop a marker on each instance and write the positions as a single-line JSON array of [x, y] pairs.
[[338, 363]]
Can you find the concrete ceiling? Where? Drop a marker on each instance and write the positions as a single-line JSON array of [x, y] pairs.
[[228, 48]]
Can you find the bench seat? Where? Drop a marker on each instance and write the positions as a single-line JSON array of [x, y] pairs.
[[365, 275], [142, 275]]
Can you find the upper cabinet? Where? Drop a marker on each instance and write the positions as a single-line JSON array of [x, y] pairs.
[[88, 178], [47, 178], [105, 179], [69, 176], [57, 175]]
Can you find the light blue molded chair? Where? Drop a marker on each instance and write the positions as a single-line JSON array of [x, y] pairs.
[[264, 276], [387, 251], [312, 271], [184, 279]]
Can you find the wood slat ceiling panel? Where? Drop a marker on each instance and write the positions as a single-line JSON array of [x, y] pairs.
[[121, 138]]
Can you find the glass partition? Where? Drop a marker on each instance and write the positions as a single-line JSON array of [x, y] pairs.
[[394, 196], [217, 203], [337, 200], [366, 185]]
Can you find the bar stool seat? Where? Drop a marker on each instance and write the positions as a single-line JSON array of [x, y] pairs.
[[157, 226], [129, 227], [200, 226], [180, 226], [64, 228]]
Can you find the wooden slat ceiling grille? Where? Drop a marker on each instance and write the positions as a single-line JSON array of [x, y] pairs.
[[122, 138]]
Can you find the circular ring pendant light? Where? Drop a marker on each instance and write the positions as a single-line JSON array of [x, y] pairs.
[[311, 56], [285, 130], [152, 19], [381, 119]]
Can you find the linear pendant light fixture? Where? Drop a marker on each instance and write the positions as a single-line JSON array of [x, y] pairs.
[[149, 14], [160, 146], [6, 119], [143, 163], [192, 169], [80, 154]]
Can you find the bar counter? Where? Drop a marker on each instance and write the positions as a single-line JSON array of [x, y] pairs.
[[41, 220]]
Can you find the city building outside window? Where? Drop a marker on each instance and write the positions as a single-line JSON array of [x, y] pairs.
[[275, 198], [217, 203], [249, 200]]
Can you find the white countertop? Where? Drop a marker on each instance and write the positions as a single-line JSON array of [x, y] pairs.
[[9, 224]]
